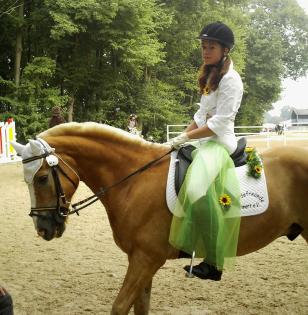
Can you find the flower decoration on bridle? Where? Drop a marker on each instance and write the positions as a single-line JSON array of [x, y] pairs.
[[254, 163]]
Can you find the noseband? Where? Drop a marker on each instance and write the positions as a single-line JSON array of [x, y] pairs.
[[61, 198]]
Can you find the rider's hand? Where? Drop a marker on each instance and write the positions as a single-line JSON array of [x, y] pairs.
[[179, 140]]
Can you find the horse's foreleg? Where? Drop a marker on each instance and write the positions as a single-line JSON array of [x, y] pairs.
[[142, 303], [305, 235], [136, 285]]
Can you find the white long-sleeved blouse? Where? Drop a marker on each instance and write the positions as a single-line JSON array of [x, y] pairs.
[[219, 108]]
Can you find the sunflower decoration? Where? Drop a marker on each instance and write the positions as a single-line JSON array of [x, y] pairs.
[[254, 163], [258, 169], [248, 150], [225, 201]]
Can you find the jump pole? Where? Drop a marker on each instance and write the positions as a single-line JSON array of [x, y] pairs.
[[8, 134]]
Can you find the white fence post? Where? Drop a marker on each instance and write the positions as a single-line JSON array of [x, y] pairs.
[[174, 133], [168, 129]]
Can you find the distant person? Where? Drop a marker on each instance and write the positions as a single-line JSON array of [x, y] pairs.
[[56, 117], [278, 129], [132, 125], [6, 302]]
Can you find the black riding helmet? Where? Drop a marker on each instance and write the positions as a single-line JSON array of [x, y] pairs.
[[219, 32]]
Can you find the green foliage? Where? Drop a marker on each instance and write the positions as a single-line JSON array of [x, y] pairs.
[[289, 22], [31, 102], [158, 106], [76, 16], [254, 163], [263, 79], [277, 45], [107, 59]]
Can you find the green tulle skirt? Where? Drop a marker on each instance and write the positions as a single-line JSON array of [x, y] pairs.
[[207, 213]]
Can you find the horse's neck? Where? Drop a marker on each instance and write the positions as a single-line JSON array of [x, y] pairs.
[[98, 163], [102, 163]]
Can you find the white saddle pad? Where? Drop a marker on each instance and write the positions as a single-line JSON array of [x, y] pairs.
[[254, 195]]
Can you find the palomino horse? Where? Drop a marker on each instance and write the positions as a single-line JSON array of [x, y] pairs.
[[102, 156]]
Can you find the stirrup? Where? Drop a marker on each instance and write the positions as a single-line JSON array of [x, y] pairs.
[[189, 273]]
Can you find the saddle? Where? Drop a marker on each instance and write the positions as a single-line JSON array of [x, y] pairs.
[[184, 158]]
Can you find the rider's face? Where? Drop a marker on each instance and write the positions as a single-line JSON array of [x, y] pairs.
[[212, 52]]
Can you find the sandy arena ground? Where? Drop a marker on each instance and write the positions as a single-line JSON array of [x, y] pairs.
[[82, 272]]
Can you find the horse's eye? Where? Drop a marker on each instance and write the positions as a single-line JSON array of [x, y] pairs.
[[42, 179]]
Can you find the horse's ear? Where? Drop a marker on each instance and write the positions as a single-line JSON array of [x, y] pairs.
[[18, 147], [35, 147]]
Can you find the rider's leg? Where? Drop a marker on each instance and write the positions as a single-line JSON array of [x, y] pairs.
[[211, 221]]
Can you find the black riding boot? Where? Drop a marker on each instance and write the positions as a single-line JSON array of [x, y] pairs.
[[205, 271]]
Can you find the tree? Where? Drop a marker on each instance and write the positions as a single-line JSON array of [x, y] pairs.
[[19, 32], [277, 48], [289, 21], [104, 60], [32, 100], [183, 55]]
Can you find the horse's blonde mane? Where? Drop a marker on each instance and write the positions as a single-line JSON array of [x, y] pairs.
[[92, 129]]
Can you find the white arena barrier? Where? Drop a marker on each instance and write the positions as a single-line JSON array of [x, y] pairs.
[[8, 134]]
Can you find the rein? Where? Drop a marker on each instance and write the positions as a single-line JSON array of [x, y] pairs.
[[64, 212], [103, 191]]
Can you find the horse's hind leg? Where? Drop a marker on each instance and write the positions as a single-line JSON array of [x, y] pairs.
[[142, 303]]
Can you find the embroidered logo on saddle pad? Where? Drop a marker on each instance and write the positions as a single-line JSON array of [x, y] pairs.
[[254, 195]]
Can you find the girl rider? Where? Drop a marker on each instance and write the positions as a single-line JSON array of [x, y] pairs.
[[204, 228]]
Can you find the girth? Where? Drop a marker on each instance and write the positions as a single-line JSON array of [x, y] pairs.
[[184, 158]]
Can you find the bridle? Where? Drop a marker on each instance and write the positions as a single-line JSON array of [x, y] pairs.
[[60, 208], [62, 211]]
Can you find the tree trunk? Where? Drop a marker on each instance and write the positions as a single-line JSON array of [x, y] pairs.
[[19, 43], [70, 109], [146, 74]]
